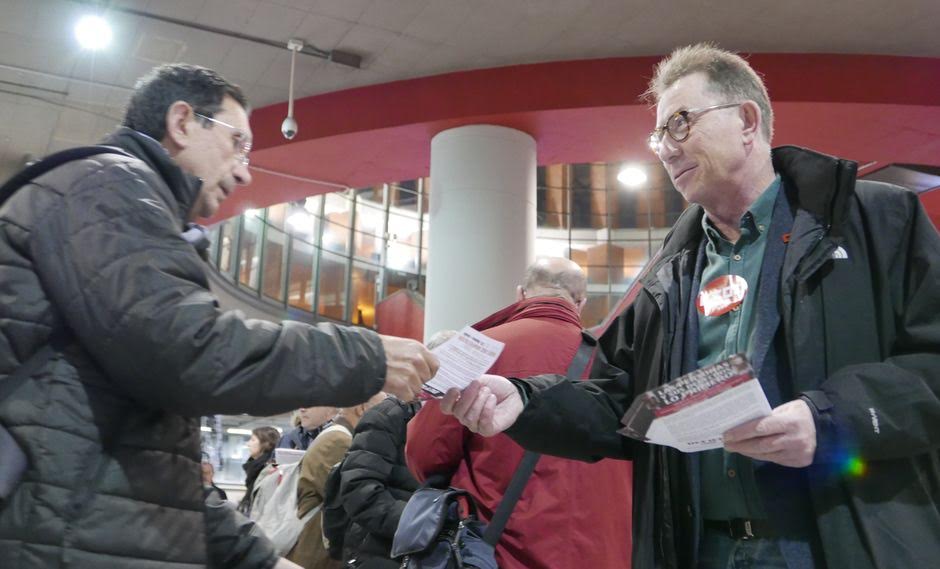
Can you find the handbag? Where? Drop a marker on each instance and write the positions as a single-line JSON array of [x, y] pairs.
[[432, 534]]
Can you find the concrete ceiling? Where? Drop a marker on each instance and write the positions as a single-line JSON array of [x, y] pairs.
[[54, 95]]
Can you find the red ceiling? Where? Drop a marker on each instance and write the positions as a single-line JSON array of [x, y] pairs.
[[877, 109]]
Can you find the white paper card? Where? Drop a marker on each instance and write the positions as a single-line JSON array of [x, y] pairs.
[[465, 357]]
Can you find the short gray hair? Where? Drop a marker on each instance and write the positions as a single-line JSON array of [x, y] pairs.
[[729, 76], [567, 282]]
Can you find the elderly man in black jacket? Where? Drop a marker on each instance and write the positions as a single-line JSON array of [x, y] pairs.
[[93, 255], [841, 319]]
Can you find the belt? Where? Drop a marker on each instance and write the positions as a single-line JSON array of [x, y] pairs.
[[741, 528]]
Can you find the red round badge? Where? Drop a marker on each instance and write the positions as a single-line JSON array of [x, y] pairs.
[[721, 295]]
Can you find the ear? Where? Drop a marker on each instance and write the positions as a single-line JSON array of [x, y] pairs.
[[752, 120], [520, 293], [178, 126]]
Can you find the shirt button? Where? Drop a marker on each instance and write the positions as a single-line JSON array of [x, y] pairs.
[[731, 473], [737, 257]]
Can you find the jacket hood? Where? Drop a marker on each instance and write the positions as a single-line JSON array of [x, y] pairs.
[[184, 186], [536, 307]]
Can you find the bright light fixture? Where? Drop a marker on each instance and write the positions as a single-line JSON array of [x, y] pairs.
[[251, 212], [234, 431], [631, 176], [301, 221], [93, 33]]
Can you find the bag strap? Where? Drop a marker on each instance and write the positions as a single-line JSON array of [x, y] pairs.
[[51, 162], [527, 465]]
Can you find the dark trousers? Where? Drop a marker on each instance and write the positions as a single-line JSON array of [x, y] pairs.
[[721, 551]]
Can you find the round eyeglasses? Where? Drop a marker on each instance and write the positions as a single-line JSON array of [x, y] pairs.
[[679, 125], [240, 139]]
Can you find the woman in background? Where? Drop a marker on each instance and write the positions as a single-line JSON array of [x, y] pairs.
[[260, 452]]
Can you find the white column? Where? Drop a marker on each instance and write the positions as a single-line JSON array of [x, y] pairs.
[[482, 223]]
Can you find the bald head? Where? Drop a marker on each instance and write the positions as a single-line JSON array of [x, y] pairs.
[[556, 277]]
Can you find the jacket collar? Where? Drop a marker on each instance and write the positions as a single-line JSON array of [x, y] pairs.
[[535, 307], [184, 186], [817, 185]]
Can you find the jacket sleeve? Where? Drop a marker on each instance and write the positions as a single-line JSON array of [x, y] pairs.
[[324, 452], [366, 474], [435, 444], [891, 409], [135, 294], [580, 419], [233, 541]]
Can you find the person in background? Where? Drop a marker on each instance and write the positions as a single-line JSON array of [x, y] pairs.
[[208, 473], [260, 453], [542, 334], [326, 450], [376, 484], [308, 424]]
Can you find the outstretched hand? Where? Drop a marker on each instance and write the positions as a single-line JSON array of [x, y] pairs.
[[787, 436], [488, 406], [408, 365]]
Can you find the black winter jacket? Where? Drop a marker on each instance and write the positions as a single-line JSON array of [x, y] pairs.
[[110, 425], [860, 310], [376, 483]]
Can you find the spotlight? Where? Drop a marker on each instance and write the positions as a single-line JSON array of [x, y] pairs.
[[93, 33]]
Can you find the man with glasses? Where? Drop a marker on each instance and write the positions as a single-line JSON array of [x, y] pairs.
[[831, 289], [93, 265]]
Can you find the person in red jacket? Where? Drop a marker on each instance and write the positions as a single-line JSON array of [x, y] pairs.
[[564, 517]]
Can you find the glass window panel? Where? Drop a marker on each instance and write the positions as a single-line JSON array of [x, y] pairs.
[[337, 208], [633, 257], [424, 261], [332, 290], [404, 229], [227, 246], [335, 238], [300, 284], [403, 196], [275, 263], [312, 205], [214, 243], [302, 223], [596, 309], [551, 207], [425, 191], [249, 249], [277, 214], [425, 233], [398, 280], [551, 247], [374, 196], [368, 241], [363, 294], [401, 257]]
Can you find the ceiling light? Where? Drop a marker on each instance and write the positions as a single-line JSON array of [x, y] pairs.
[[238, 431], [301, 221], [631, 176], [93, 32]]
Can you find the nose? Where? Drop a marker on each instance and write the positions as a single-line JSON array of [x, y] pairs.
[[668, 149], [242, 174]]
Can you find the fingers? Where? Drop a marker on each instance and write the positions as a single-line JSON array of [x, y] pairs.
[[449, 400]]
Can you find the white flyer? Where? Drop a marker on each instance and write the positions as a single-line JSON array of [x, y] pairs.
[[465, 357], [692, 412]]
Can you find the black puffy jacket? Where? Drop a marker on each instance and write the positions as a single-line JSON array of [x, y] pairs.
[[376, 483], [110, 425]]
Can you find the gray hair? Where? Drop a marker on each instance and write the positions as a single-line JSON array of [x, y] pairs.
[[729, 76], [542, 280]]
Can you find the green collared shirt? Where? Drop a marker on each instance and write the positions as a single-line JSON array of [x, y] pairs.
[[728, 486]]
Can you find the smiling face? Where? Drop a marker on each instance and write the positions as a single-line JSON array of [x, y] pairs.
[[210, 151], [713, 156]]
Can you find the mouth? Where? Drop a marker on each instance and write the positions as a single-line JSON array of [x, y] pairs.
[[683, 173]]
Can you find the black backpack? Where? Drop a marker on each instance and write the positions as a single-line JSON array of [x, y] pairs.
[[335, 519]]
